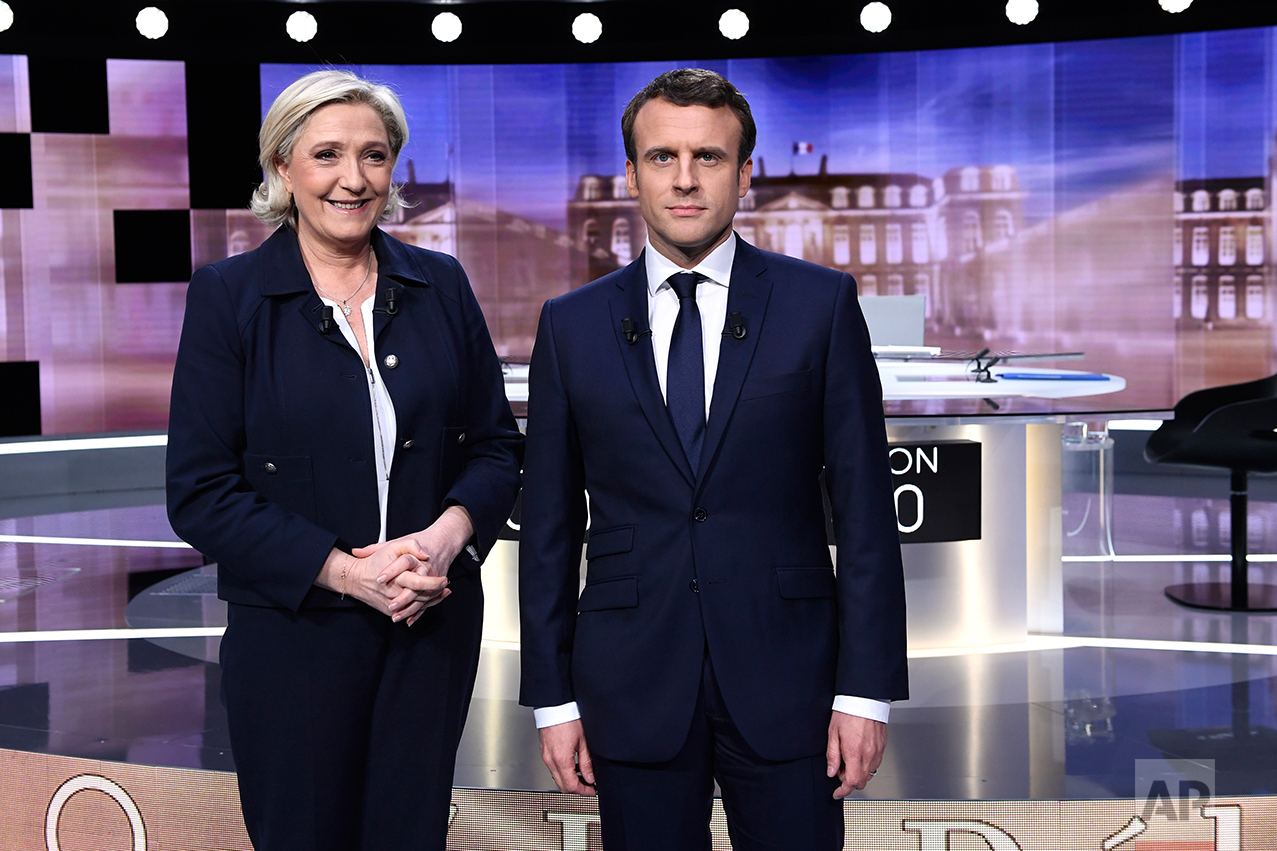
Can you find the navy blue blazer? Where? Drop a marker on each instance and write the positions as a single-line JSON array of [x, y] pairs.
[[270, 454], [731, 557]]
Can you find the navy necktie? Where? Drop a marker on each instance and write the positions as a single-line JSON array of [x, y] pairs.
[[685, 370]]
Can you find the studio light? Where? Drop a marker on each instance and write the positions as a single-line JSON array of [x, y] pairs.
[[151, 22], [302, 26], [587, 28], [446, 26], [1022, 11], [733, 23], [6, 16], [875, 17], [1174, 6]]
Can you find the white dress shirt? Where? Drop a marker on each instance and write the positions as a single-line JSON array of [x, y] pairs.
[[662, 311]]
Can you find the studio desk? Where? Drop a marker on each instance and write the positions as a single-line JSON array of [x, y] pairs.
[[976, 464]]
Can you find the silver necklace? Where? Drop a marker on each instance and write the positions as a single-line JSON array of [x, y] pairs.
[[345, 306]]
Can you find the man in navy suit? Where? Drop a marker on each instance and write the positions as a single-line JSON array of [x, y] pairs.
[[697, 395]]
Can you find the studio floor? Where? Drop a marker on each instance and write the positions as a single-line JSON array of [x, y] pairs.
[[1062, 717]]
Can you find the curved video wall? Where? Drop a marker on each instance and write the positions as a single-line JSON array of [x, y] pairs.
[[1109, 197]]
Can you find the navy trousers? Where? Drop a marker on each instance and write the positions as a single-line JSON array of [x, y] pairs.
[[344, 726], [770, 806]]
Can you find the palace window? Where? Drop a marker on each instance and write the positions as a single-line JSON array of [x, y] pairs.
[[1254, 297], [1227, 297], [918, 242], [1199, 298], [891, 197], [590, 187], [794, 240], [895, 244], [621, 241], [868, 285], [1228, 199], [840, 197], [942, 239], [922, 287], [970, 232], [1227, 245], [842, 245], [1201, 201], [895, 285], [1201, 246], [1177, 246], [620, 190], [969, 181], [918, 196], [868, 245], [1178, 204], [590, 234], [1254, 245], [748, 202], [1003, 224], [1177, 306], [1254, 199], [865, 196], [1002, 178]]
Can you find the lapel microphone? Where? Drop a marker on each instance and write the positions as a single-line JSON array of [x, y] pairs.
[[735, 326], [326, 322], [631, 335], [392, 301]]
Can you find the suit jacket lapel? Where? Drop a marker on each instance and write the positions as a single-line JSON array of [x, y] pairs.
[[630, 302], [749, 293]]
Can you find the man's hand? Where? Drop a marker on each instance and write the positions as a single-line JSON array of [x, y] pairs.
[[564, 752], [854, 751]]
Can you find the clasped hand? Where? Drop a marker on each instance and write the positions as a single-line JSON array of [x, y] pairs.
[[404, 577]]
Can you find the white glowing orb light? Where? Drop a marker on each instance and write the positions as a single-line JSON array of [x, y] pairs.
[[1022, 11], [875, 17], [446, 27], [302, 26], [587, 28], [6, 16], [1174, 6], [733, 24], [152, 22]]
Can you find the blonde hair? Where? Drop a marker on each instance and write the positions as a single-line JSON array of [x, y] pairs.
[[272, 203]]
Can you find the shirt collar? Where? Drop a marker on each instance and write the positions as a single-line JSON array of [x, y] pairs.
[[716, 267]]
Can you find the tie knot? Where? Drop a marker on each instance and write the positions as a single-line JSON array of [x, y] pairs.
[[684, 284]]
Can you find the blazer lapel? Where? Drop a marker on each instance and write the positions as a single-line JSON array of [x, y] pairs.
[[630, 302], [749, 294]]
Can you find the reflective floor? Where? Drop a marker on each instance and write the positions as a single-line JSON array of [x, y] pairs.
[[1059, 718]]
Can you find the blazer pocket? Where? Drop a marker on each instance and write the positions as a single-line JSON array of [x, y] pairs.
[[805, 583], [287, 480], [609, 542], [618, 593], [774, 385]]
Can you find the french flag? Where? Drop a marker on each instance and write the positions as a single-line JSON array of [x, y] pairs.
[[803, 148]]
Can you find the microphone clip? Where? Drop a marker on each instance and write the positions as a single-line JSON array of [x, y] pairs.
[[735, 326], [326, 322], [632, 335]]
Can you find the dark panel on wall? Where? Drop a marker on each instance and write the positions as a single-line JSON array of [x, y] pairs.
[[68, 94], [223, 114], [152, 246], [21, 383], [15, 153]]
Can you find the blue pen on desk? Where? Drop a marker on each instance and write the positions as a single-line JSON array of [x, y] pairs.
[[1053, 376]]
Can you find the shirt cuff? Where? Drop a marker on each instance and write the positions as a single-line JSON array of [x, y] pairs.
[[548, 716], [861, 707]]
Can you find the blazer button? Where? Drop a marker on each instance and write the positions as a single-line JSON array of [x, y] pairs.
[[695, 588], [408, 444], [700, 515], [461, 438], [270, 468], [391, 361]]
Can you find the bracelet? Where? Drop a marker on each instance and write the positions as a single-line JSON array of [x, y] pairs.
[[343, 579]]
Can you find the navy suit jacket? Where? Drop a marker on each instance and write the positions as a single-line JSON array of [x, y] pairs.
[[732, 556], [271, 432]]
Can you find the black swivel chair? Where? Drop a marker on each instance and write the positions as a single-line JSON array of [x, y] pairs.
[[1234, 427]]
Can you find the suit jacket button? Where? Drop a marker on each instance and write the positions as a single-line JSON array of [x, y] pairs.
[[408, 444], [700, 515], [695, 588], [461, 438], [391, 361], [270, 468]]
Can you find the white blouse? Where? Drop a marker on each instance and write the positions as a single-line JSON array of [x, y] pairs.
[[384, 425]]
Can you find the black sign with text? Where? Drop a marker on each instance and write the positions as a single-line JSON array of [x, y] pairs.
[[937, 490]]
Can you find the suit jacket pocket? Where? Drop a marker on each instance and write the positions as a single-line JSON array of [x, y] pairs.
[[610, 542], [618, 593], [287, 480], [774, 385], [805, 583]]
